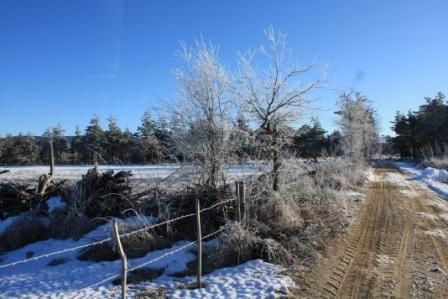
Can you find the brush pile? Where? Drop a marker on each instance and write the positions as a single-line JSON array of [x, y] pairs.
[[103, 194]]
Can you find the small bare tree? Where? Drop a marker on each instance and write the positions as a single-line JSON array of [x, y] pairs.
[[203, 112], [358, 125], [275, 97]]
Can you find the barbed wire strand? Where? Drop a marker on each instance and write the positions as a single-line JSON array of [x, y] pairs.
[[153, 260], [47, 255]]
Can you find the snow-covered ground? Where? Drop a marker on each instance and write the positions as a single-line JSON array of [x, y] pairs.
[[145, 173], [80, 279], [434, 179]]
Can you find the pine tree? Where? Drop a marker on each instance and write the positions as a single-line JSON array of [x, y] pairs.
[[163, 137], [77, 146], [114, 137], [8, 151], [309, 141], [149, 143], [61, 144], [147, 126], [94, 140], [26, 150], [426, 128]]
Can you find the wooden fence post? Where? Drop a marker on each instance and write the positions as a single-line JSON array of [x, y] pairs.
[[238, 200], [199, 240], [52, 159], [241, 200], [124, 261], [242, 195]]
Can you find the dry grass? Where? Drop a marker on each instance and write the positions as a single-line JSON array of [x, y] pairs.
[[25, 230], [69, 225], [294, 223], [435, 156], [437, 162]]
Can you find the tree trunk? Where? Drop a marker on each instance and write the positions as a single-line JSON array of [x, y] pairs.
[[276, 163]]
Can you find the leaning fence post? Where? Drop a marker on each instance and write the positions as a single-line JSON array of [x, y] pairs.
[[124, 261], [199, 240]]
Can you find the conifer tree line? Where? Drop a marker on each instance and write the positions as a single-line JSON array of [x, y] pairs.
[[152, 143], [426, 129]]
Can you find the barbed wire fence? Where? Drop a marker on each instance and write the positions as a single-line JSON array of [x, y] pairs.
[[145, 228], [239, 200], [140, 176]]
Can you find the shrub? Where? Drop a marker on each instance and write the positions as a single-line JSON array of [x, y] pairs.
[[25, 230], [70, 225], [294, 223]]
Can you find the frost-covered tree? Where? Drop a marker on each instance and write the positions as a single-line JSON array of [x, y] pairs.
[[274, 96], [203, 111], [359, 127]]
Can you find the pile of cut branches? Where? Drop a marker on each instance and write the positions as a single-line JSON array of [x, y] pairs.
[[101, 194]]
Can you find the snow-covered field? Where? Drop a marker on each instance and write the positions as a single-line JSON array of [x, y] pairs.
[[434, 179], [143, 174], [83, 279]]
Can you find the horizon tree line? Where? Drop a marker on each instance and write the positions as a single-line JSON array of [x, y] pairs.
[[151, 143]]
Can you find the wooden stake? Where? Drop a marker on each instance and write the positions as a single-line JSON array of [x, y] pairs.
[[242, 195], [124, 261], [238, 200], [52, 159], [199, 240]]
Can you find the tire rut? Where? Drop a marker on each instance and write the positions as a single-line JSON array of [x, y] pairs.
[[387, 252]]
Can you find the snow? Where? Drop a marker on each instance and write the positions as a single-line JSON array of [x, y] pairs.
[[74, 278], [426, 215], [253, 279], [444, 217], [438, 233], [407, 193], [434, 179], [7, 222], [144, 173], [370, 174], [55, 203]]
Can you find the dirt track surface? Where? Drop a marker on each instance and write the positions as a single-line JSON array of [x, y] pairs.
[[397, 247]]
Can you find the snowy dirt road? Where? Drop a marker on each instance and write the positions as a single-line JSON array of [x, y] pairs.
[[397, 247]]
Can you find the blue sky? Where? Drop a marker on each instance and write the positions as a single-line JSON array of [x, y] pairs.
[[62, 61]]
